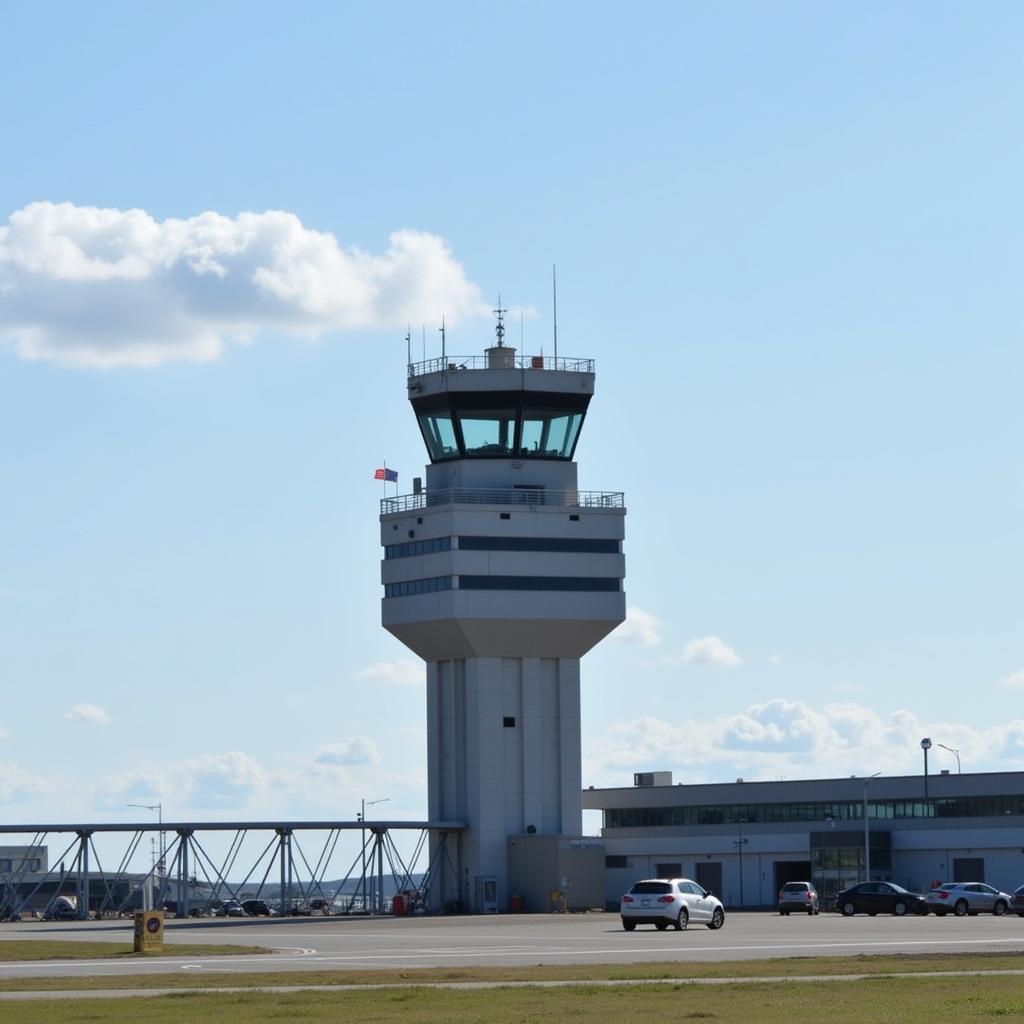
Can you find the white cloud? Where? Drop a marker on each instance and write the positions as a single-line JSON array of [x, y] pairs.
[[326, 783], [357, 750], [86, 286], [18, 786], [87, 713], [1015, 680], [404, 671], [710, 650], [640, 627], [225, 781], [790, 739], [229, 780]]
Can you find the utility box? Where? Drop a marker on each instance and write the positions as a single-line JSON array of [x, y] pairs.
[[149, 931], [539, 866], [486, 896]]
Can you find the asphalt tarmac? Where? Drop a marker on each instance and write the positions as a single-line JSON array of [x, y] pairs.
[[339, 943]]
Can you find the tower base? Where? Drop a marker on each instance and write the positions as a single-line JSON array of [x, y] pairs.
[[503, 755]]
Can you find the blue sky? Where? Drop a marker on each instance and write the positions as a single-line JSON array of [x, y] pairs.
[[789, 235]]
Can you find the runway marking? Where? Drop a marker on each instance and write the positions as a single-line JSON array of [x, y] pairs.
[[310, 956], [645, 952]]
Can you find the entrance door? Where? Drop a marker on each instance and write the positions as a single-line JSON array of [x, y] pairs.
[[791, 871], [709, 876], [968, 869]]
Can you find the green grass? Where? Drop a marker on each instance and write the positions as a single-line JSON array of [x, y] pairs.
[[888, 1001], [793, 967], [46, 949]]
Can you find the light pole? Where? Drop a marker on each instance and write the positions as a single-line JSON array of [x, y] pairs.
[[830, 826], [926, 746], [738, 843], [867, 833], [159, 808], [954, 752], [363, 804]]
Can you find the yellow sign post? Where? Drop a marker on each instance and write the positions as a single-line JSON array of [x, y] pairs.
[[149, 931]]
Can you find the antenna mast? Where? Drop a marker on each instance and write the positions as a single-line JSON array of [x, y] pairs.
[[499, 329], [554, 309], [443, 356]]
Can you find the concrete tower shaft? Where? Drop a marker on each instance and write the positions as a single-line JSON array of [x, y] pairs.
[[501, 574]]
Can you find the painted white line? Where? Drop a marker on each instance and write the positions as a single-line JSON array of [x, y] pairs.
[[646, 953], [300, 954], [308, 955]]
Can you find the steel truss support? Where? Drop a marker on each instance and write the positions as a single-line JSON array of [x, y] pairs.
[[188, 880]]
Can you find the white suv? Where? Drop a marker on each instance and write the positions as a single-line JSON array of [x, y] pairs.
[[670, 901]]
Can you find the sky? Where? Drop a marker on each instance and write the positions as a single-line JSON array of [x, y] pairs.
[[789, 236]]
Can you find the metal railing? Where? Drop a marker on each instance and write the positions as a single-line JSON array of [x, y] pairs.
[[501, 496], [455, 364]]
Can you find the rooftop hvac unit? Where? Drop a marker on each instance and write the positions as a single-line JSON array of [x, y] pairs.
[[652, 778]]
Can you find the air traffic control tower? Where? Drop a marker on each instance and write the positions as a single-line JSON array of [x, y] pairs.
[[501, 574]]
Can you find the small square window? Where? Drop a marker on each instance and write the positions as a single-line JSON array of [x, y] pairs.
[[509, 722], [505, 515], [574, 519], [419, 520], [412, 533]]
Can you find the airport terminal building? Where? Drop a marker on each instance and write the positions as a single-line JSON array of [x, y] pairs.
[[743, 840]]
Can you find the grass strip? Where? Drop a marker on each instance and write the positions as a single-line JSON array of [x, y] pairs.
[[893, 1001], [791, 967], [21, 950]]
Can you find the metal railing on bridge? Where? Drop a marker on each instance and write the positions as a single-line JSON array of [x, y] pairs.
[[297, 867]]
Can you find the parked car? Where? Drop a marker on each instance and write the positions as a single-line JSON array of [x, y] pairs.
[[62, 908], [227, 908], [880, 898], [963, 898], [670, 901], [799, 896], [1017, 901], [256, 908]]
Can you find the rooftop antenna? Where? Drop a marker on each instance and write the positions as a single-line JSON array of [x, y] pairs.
[[443, 357], [408, 344], [499, 329], [554, 309]]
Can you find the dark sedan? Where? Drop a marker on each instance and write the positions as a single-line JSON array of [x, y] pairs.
[[1017, 901], [256, 908], [880, 898]]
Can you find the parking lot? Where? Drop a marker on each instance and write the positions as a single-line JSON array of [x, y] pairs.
[[515, 940]]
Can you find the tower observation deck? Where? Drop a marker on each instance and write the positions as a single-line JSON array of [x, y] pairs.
[[501, 574]]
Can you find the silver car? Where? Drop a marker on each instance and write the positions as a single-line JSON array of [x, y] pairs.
[[799, 896], [962, 898], [670, 901]]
